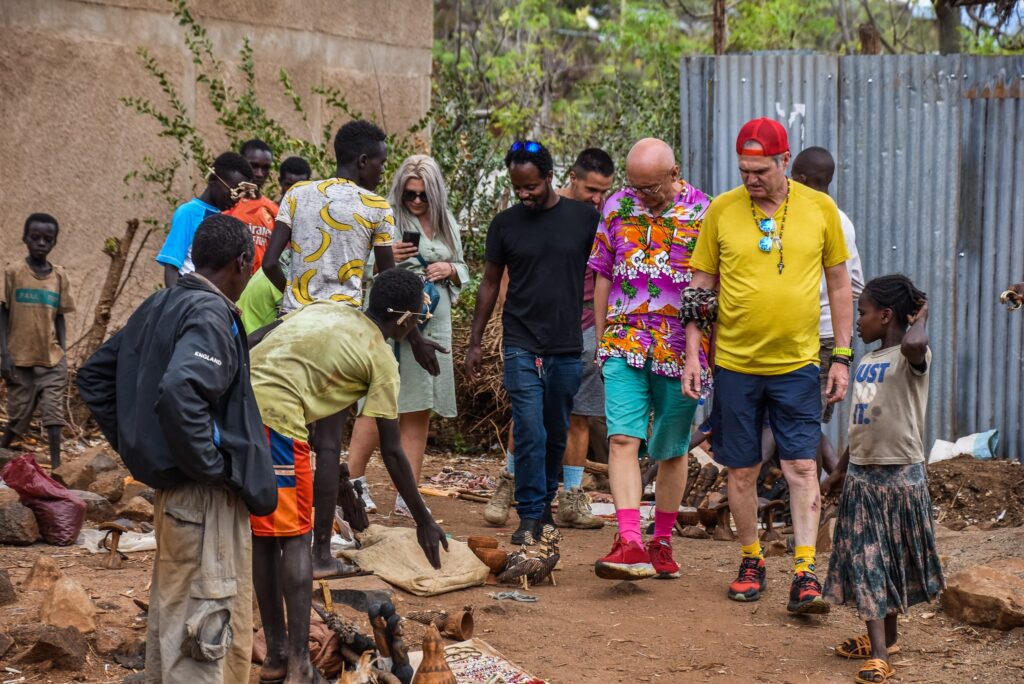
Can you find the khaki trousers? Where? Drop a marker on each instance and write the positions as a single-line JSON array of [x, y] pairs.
[[200, 610]]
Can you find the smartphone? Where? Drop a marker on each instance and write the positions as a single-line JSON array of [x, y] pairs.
[[414, 238]]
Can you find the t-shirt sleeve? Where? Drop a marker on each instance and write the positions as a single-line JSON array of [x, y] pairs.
[[286, 209], [835, 251], [706, 254], [67, 301], [854, 264], [382, 394], [384, 232], [602, 255], [183, 228], [494, 251]]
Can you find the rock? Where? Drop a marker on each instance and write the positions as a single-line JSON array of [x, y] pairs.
[[775, 549], [987, 596], [131, 654], [137, 509], [65, 647], [694, 532], [149, 494], [97, 508], [105, 640], [67, 605], [43, 575], [5, 644], [17, 522], [104, 460], [109, 485], [7, 593], [134, 488], [76, 474]]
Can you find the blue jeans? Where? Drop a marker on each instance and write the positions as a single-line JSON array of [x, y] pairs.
[[541, 389]]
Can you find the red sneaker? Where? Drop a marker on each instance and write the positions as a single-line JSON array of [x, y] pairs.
[[660, 552], [749, 584], [805, 595], [625, 562]]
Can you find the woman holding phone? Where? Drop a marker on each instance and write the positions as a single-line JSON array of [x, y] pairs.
[[431, 247]]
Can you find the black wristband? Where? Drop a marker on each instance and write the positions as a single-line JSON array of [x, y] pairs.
[[845, 360]]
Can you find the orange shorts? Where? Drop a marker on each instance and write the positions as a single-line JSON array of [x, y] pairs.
[[293, 516]]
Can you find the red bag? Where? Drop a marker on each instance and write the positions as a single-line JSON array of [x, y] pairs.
[[60, 513]]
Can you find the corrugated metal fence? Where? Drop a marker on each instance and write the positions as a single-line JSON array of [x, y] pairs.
[[930, 168]]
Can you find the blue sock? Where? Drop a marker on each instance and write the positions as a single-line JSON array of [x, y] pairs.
[[572, 477], [510, 463]]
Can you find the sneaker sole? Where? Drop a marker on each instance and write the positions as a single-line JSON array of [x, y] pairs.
[[620, 571], [745, 598], [568, 525], [815, 607], [668, 575]]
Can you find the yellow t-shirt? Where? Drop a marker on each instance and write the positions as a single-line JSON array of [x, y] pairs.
[[768, 322], [323, 358]]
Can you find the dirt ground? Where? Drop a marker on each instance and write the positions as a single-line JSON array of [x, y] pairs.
[[590, 630], [973, 492]]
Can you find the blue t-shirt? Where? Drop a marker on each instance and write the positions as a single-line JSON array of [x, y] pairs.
[[177, 249]]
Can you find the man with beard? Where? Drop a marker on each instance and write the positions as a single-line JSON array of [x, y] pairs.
[[544, 242]]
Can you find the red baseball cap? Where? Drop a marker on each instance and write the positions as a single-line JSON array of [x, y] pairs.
[[768, 133]]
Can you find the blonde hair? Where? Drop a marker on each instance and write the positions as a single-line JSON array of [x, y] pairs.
[[424, 168]]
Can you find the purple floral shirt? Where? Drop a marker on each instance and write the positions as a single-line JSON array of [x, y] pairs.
[[647, 260]]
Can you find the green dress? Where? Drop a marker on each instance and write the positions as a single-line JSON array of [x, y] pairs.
[[421, 391]]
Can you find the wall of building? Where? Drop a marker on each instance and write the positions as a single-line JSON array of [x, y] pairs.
[[67, 142]]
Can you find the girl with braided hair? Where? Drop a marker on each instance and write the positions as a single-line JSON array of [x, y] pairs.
[[884, 558]]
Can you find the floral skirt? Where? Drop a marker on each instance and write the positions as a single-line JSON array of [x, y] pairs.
[[884, 557]]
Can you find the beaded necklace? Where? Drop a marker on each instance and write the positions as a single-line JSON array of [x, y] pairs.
[[767, 227]]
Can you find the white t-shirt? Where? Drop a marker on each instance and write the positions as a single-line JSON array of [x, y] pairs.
[[856, 278], [335, 224]]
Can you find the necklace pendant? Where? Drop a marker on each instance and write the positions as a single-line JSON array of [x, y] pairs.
[[781, 266]]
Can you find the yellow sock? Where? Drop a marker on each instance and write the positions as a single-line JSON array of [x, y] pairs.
[[752, 550], [803, 559]]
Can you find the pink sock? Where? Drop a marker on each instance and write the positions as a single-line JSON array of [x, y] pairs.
[[629, 525], [664, 522]]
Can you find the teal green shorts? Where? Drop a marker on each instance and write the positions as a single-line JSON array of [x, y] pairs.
[[650, 407]]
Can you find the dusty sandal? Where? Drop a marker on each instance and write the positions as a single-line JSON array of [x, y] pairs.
[[859, 648], [875, 671]]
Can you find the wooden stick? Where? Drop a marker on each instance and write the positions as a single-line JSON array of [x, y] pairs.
[[596, 468]]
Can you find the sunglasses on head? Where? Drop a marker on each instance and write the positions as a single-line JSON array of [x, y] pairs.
[[244, 190], [528, 145], [410, 195]]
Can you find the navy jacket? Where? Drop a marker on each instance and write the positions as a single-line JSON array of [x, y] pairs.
[[171, 393]]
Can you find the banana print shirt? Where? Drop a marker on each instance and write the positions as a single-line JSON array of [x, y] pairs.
[[335, 224]]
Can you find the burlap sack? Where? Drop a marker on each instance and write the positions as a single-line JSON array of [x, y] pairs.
[[393, 554]]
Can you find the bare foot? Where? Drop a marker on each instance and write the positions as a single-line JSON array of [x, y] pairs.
[[334, 567], [274, 669]]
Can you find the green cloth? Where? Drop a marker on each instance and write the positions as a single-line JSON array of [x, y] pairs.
[[259, 302], [421, 391]]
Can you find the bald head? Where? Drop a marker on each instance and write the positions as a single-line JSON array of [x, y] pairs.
[[650, 156], [814, 167]]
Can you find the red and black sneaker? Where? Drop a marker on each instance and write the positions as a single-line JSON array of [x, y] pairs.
[[749, 584], [624, 562], [805, 595], [660, 552]]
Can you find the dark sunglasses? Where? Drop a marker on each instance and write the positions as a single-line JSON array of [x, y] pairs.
[[528, 145], [410, 195]]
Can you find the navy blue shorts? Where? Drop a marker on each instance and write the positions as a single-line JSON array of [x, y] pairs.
[[792, 403]]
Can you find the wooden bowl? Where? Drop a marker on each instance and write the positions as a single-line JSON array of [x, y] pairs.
[[482, 542], [494, 559], [708, 517], [688, 518]]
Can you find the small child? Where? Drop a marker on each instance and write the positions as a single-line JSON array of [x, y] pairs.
[[34, 297], [884, 558]]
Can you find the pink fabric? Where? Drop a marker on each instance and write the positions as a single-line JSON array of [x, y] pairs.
[[664, 521], [629, 525]]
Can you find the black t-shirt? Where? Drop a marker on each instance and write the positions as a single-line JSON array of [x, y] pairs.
[[546, 255]]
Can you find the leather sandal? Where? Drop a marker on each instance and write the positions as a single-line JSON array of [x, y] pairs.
[[859, 648], [875, 671]]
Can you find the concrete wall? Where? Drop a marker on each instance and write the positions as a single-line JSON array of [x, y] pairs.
[[67, 142]]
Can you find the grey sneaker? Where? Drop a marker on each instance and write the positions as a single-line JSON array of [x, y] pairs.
[[574, 511], [364, 488], [497, 509]]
